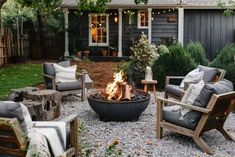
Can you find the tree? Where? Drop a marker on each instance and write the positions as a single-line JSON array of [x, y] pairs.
[[228, 10]]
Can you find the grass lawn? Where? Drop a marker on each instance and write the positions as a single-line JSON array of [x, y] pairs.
[[17, 76]]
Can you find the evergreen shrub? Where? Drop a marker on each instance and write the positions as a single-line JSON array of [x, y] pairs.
[[226, 60], [197, 53], [175, 63]]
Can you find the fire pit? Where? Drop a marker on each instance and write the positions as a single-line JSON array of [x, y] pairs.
[[119, 102]]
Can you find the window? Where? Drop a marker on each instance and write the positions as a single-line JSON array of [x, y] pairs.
[[142, 19], [98, 30]]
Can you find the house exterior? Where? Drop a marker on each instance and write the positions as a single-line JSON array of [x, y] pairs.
[[167, 21]]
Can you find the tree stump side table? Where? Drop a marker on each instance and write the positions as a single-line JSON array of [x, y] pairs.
[[146, 83], [44, 104]]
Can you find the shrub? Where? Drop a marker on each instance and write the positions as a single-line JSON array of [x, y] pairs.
[[226, 60], [225, 57], [176, 62], [197, 52], [143, 54]]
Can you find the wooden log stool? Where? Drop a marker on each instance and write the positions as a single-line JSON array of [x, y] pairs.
[[44, 104], [146, 83]]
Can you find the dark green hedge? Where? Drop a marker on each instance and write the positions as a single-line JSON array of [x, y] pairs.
[[175, 63]]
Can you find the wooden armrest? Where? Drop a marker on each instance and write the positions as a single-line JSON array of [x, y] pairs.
[[168, 78], [196, 108], [48, 76], [70, 118]]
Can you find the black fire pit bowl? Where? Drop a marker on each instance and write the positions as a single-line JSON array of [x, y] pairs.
[[120, 110]]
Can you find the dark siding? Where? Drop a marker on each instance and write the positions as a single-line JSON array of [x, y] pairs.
[[211, 28], [130, 32], [161, 27], [78, 32]]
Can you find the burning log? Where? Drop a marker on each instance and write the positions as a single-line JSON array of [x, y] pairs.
[[125, 92]]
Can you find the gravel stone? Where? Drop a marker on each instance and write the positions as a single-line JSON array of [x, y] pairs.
[[139, 138]]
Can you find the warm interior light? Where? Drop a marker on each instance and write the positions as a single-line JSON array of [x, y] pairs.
[[115, 19]]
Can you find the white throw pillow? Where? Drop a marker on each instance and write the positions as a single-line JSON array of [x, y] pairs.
[[190, 95], [65, 74], [27, 117], [194, 76]]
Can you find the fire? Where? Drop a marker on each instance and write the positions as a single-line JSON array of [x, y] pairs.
[[115, 89]]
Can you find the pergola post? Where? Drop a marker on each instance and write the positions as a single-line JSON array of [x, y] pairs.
[[66, 34], [181, 25], [150, 25], [120, 32]]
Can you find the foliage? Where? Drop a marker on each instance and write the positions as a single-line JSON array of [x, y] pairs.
[[122, 66], [141, 1], [85, 147], [43, 6], [197, 52], [98, 6], [143, 54], [12, 10], [18, 76], [162, 49], [112, 149], [175, 63], [228, 11], [226, 60]]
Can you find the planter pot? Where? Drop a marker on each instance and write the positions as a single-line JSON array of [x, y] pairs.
[[104, 52], [114, 53], [86, 53], [78, 54]]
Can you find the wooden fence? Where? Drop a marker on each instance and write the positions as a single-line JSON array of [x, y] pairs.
[[29, 47]]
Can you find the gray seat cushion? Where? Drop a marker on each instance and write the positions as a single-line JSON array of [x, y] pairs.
[[13, 110], [174, 90], [174, 117], [192, 118], [209, 73], [66, 86]]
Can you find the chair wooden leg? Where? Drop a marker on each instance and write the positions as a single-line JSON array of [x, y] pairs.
[[165, 95], [203, 145], [225, 134], [159, 118]]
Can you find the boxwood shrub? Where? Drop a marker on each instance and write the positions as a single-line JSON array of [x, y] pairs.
[[175, 63], [226, 60], [197, 52]]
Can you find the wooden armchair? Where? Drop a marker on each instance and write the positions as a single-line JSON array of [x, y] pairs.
[[172, 90], [14, 142], [212, 117], [66, 88]]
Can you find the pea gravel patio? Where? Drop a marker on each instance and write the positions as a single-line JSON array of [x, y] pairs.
[[139, 138]]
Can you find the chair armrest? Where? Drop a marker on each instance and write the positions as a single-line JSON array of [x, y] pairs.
[[169, 78], [52, 79], [70, 118], [48, 76], [199, 109]]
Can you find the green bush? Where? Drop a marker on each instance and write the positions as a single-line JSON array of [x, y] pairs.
[[225, 57], [197, 52], [226, 60], [177, 62]]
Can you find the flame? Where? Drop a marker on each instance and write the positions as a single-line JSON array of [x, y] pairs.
[[113, 89]]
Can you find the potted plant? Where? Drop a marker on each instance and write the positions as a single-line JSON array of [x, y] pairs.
[[78, 53], [104, 52]]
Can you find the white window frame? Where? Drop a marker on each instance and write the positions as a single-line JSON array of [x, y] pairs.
[[139, 20], [107, 27]]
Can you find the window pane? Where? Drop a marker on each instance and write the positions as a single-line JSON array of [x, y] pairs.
[[143, 18], [98, 29]]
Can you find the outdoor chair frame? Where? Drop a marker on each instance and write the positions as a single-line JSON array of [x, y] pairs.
[[19, 139], [213, 117]]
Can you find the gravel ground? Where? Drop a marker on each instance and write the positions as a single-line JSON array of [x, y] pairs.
[[139, 138]]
